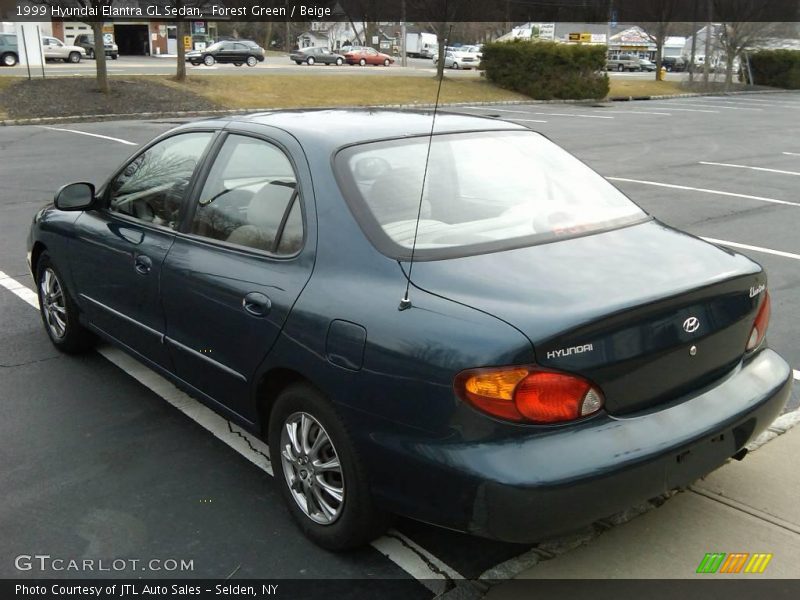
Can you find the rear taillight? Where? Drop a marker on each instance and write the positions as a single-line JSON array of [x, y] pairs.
[[760, 325], [528, 394]]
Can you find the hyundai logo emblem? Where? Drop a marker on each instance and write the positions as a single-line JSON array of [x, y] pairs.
[[691, 324]]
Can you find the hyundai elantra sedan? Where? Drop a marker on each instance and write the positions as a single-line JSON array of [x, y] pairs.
[[470, 328]]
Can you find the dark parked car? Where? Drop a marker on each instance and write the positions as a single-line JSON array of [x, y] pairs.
[[312, 56], [9, 54], [239, 53], [673, 63], [86, 41], [557, 354]]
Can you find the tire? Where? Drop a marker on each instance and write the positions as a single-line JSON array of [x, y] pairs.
[[237, 64], [74, 57], [299, 62], [339, 62], [310, 61], [58, 310], [208, 60], [386, 62], [362, 62], [251, 61], [10, 59], [114, 56], [352, 522], [620, 68], [90, 53], [454, 66]]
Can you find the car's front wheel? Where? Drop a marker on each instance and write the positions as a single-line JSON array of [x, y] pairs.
[[208, 60], [620, 68], [74, 57], [90, 53], [252, 61], [319, 472], [339, 62], [386, 62], [59, 313], [310, 61], [362, 62]]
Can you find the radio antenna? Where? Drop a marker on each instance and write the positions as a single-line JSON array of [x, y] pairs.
[[405, 302]]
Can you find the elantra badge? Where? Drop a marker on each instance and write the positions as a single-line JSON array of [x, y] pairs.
[[691, 324]]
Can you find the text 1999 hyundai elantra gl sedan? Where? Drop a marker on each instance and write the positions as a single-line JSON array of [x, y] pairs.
[[563, 355]]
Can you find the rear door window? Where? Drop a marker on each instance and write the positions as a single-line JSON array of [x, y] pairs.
[[250, 198]]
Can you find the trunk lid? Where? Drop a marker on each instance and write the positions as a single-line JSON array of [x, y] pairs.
[[646, 312]]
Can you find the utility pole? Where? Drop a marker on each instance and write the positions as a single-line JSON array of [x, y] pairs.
[[403, 56]]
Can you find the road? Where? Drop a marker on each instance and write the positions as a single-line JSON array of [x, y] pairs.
[[151, 65], [97, 462]]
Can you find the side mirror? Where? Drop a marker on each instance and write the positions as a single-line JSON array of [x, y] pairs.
[[75, 196]]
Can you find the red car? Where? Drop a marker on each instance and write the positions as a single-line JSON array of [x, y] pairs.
[[367, 56]]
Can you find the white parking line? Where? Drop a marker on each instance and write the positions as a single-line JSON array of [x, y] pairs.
[[700, 110], [528, 112], [716, 164], [97, 135], [516, 120], [753, 248], [792, 153], [697, 105], [704, 190], [634, 111], [406, 554]]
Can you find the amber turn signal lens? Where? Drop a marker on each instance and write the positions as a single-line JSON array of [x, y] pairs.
[[760, 325], [525, 394]]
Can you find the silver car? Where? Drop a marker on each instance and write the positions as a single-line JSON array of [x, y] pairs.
[[55, 49], [454, 59]]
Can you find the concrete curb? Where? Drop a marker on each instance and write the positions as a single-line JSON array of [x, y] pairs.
[[239, 111]]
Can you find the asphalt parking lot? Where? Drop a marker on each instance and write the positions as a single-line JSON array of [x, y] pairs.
[[97, 461]]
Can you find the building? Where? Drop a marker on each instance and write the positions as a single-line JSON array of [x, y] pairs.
[[331, 35]]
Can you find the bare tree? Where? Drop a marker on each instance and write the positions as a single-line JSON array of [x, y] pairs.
[[99, 49], [741, 28], [661, 16]]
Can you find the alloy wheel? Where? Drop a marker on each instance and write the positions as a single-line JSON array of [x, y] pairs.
[[53, 303], [312, 468]]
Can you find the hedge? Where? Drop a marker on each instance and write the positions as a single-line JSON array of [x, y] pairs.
[[776, 68], [546, 70]]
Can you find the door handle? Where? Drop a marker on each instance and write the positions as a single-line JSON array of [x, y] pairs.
[[142, 264], [257, 304]]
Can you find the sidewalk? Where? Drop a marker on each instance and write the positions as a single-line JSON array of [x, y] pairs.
[[751, 506]]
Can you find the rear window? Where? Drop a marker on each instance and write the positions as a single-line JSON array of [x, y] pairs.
[[483, 192]]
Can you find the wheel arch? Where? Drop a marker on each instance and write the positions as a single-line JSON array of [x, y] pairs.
[[36, 252], [267, 389]]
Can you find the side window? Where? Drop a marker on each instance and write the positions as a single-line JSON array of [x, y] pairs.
[[250, 198], [153, 186]]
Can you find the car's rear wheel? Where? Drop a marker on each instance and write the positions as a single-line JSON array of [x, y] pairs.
[[9, 60], [252, 61], [310, 61], [339, 62], [319, 472], [299, 62], [237, 64], [362, 62], [208, 60], [59, 313]]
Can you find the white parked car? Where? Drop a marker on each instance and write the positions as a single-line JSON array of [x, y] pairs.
[[454, 58], [55, 49]]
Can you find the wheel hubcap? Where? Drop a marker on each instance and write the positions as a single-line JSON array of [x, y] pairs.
[[312, 469], [55, 309]]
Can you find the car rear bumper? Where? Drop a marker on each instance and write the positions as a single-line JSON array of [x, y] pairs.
[[522, 489]]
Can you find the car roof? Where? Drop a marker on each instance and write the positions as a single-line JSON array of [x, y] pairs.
[[329, 129]]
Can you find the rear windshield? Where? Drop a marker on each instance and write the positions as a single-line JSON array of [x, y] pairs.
[[484, 192]]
